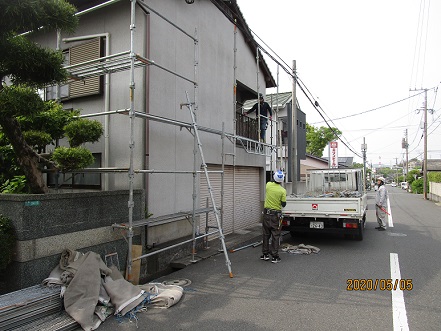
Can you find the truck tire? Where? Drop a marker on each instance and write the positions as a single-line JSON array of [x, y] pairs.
[[359, 236]]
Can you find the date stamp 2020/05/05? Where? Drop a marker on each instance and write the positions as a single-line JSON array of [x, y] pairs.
[[382, 284]]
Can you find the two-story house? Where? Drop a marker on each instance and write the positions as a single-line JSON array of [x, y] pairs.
[[159, 60]]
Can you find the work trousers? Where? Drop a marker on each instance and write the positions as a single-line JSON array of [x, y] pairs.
[[271, 229], [381, 216], [263, 125]]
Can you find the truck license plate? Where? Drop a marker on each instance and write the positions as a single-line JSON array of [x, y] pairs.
[[317, 225]]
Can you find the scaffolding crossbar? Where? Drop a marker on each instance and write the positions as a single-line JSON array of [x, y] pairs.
[[154, 221]]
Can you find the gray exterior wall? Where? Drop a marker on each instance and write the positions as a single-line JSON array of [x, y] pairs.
[[160, 146]]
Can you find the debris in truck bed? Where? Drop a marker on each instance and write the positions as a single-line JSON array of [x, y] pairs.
[[333, 194]]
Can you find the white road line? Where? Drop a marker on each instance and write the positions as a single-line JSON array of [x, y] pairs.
[[398, 306], [389, 218]]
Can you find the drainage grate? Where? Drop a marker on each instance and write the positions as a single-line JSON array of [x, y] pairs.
[[180, 282]]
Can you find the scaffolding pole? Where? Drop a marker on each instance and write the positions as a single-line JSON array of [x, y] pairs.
[[132, 140], [258, 90], [210, 190], [280, 125], [195, 145], [129, 60]]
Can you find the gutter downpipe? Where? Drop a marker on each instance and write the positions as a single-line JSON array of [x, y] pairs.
[[235, 122], [146, 101]]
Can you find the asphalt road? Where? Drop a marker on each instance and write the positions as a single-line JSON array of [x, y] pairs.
[[310, 292]]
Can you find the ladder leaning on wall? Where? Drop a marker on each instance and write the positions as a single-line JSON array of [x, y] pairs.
[[210, 190]]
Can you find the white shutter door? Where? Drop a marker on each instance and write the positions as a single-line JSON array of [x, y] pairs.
[[246, 200], [216, 182]]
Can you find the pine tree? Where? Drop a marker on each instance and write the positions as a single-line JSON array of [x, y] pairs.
[[27, 66]]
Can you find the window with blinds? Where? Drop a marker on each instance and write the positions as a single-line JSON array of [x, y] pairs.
[[82, 53], [79, 88]]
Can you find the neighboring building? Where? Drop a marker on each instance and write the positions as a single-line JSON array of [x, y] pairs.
[[279, 133], [433, 165], [221, 58], [311, 163], [415, 164], [344, 161]]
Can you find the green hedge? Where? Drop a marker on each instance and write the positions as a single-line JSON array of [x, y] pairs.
[[434, 177]]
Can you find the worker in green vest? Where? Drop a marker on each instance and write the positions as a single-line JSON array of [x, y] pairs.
[[275, 200]]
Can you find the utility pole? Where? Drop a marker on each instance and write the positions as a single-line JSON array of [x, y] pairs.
[[363, 150], [425, 144], [294, 131], [406, 146]]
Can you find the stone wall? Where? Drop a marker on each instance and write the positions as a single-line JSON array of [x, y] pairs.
[[47, 224]]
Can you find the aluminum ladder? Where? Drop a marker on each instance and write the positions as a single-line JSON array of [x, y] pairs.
[[210, 190]]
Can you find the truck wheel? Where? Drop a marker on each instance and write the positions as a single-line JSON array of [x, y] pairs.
[[359, 236]]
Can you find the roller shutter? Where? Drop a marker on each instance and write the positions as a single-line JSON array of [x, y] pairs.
[[244, 202]]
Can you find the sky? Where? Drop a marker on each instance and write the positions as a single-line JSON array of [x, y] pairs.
[[361, 61]]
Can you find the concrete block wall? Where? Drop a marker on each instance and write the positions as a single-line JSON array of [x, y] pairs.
[[435, 191], [47, 224]]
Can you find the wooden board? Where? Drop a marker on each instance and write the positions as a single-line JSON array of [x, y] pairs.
[[136, 266]]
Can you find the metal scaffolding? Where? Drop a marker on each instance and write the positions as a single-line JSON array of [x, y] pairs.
[[130, 61]]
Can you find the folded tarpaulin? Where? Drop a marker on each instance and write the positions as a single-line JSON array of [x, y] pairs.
[[162, 296], [89, 283], [82, 293]]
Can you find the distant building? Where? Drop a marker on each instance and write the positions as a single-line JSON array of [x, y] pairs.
[[344, 161], [433, 165]]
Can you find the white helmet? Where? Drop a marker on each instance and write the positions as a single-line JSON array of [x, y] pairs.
[[279, 176], [382, 179]]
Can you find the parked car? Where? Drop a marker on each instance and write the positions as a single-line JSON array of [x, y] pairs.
[[404, 185]]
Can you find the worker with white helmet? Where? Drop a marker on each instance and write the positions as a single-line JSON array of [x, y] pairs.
[[381, 204], [275, 200]]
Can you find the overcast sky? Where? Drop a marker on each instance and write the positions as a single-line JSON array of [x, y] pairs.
[[355, 56]]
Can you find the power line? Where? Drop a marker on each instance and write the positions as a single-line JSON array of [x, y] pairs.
[[377, 108], [289, 71]]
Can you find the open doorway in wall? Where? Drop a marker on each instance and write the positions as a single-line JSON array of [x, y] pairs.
[[245, 126]]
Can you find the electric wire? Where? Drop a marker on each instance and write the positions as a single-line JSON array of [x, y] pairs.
[[294, 76], [418, 39], [377, 108], [316, 105], [279, 61], [425, 42]]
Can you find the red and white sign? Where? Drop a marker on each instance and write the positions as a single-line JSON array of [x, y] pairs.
[[315, 206], [333, 154]]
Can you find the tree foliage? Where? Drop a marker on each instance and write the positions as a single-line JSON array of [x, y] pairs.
[[27, 123], [74, 158], [434, 177], [82, 130], [318, 138]]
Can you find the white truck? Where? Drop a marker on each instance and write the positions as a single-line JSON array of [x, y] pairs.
[[335, 202]]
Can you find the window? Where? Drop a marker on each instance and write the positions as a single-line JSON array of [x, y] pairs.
[[77, 180], [81, 87]]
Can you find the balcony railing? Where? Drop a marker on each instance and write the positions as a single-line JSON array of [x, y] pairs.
[[246, 127]]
